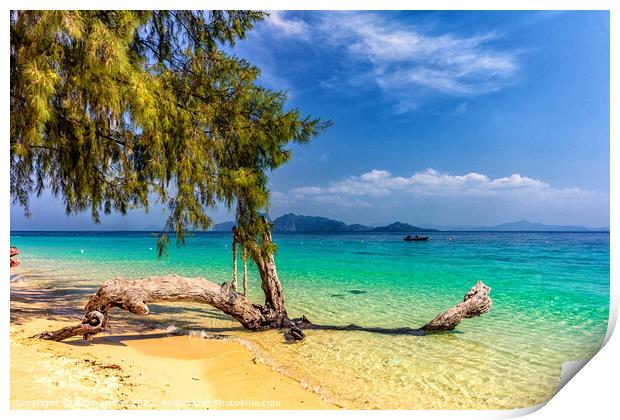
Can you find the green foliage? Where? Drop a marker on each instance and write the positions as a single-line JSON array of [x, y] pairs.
[[163, 240], [112, 110]]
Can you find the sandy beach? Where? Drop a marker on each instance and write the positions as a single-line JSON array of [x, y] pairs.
[[144, 370]]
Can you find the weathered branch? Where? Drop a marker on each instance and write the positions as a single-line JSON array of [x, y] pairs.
[[475, 303], [92, 324], [133, 296]]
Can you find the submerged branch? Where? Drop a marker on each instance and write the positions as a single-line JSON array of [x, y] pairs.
[[475, 303]]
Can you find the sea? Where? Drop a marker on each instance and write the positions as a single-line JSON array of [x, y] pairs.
[[550, 294]]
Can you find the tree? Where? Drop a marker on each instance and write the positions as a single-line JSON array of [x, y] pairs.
[[113, 110]]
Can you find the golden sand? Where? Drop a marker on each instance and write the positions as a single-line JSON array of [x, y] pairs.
[[142, 370]]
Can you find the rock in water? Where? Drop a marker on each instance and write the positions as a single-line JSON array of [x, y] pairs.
[[357, 292]]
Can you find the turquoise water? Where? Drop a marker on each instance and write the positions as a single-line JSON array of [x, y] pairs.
[[550, 295]]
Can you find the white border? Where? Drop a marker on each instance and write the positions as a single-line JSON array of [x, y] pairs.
[[592, 393]]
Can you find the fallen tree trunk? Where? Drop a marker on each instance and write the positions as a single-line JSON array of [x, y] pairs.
[[133, 296]]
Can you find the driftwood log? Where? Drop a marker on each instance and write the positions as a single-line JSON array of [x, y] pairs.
[[133, 296], [475, 303]]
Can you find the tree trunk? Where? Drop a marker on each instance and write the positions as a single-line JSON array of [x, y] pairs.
[[245, 271], [263, 255], [133, 296], [274, 295], [234, 270]]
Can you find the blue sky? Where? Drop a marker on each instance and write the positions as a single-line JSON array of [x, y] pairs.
[[447, 118]]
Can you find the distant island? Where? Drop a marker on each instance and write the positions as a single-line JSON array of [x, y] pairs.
[[294, 223], [313, 224]]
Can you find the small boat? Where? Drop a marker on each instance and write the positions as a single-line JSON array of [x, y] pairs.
[[410, 238]]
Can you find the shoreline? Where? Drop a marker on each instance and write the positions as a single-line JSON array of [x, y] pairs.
[[151, 369]]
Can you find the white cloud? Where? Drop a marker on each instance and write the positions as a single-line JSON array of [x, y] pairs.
[[379, 183], [402, 57], [407, 63], [283, 25]]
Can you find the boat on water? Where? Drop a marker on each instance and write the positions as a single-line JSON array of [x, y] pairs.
[[410, 238]]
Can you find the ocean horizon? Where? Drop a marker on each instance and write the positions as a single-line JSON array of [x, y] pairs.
[[191, 232]]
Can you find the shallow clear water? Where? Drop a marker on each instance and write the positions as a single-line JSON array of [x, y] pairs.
[[550, 295]]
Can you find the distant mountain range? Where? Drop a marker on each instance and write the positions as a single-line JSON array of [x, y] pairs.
[[522, 226], [312, 224]]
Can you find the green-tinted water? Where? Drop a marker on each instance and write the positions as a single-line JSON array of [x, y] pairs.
[[550, 296]]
